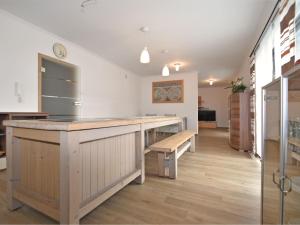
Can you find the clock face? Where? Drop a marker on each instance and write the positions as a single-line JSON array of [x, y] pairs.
[[59, 50]]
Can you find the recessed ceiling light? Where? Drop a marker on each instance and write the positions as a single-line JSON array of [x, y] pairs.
[[211, 82], [144, 29], [177, 66]]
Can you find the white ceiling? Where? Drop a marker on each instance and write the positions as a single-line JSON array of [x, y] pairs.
[[213, 37]]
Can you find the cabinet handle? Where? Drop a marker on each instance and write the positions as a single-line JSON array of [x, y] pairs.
[[77, 103]]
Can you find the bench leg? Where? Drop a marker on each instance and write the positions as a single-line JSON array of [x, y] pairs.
[[13, 169], [162, 170], [140, 155], [154, 135], [192, 148], [147, 141], [173, 165]]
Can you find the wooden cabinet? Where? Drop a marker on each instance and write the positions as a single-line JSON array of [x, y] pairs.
[[239, 121], [15, 116], [199, 101]]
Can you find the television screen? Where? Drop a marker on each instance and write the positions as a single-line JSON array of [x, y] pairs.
[[206, 115]]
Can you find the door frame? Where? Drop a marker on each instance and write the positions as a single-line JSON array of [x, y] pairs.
[[285, 91], [42, 57], [263, 135], [284, 120]]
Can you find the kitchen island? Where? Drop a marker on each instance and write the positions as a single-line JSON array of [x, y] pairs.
[[65, 169]]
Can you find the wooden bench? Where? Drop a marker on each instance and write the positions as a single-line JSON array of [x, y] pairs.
[[170, 149]]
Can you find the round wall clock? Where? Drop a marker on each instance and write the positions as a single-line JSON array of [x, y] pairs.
[[59, 50]]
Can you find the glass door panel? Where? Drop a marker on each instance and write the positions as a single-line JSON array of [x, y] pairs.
[[60, 90], [271, 154], [292, 154]]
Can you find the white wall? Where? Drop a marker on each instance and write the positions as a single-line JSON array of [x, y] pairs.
[[263, 66], [216, 98], [245, 72], [190, 106], [105, 91]]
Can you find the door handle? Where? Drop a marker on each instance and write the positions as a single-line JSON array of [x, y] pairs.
[[274, 179], [283, 188], [77, 103]]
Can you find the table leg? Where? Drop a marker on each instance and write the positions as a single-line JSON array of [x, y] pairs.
[[140, 154]]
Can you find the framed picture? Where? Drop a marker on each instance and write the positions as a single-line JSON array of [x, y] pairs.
[[168, 91]]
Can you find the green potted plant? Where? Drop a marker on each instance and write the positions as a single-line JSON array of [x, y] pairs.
[[237, 86]]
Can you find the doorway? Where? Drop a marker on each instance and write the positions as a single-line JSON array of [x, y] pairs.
[[59, 88]]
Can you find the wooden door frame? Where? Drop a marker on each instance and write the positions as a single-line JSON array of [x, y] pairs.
[[52, 59]]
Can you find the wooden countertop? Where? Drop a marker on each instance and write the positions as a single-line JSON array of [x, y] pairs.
[[24, 113], [85, 124]]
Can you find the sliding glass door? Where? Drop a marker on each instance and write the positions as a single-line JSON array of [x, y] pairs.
[[281, 151], [291, 178], [271, 154]]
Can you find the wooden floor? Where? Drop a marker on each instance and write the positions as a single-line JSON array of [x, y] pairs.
[[215, 185]]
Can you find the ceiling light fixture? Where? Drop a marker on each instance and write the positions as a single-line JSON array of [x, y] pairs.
[[86, 3], [177, 66], [211, 82], [145, 56], [165, 71]]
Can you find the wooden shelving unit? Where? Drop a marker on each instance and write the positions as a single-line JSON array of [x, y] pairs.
[[2, 152], [205, 124], [239, 121], [294, 155], [294, 141], [296, 184], [15, 116]]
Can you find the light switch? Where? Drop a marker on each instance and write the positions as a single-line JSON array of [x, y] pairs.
[[18, 92]]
